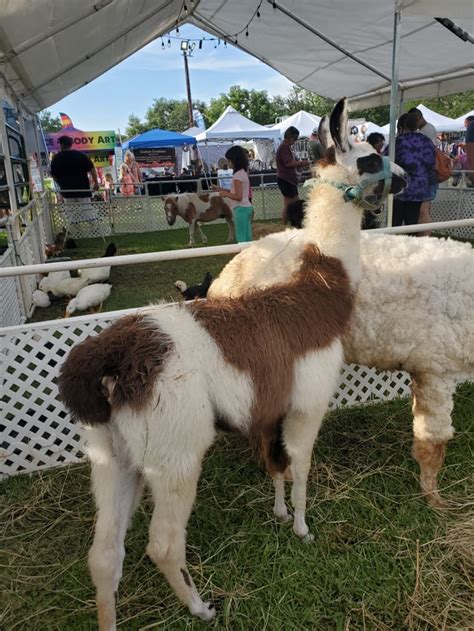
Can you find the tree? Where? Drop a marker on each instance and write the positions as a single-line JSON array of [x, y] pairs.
[[301, 99], [50, 123], [164, 113], [254, 104], [134, 126]]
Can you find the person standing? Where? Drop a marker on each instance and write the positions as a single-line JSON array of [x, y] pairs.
[[415, 153], [428, 130], [469, 148], [70, 170], [130, 176], [286, 170], [422, 125], [315, 148], [239, 193]]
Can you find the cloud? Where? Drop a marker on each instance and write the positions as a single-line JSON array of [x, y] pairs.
[[275, 85]]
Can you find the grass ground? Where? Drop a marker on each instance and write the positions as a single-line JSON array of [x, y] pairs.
[[382, 559], [138, 285]]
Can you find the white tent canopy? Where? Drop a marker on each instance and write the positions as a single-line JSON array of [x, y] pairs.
[[231, 125], [461, 119], [303, 121], [50, 48], [440, 122]]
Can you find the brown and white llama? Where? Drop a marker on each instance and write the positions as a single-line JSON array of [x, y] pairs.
[[155, 387], [196, 209]]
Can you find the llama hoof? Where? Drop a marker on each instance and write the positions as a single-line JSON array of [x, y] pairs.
[[308, 538], [436, 501], [206, 612], [284, 518]]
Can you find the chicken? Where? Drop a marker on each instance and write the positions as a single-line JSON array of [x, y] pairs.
[[197, 291]]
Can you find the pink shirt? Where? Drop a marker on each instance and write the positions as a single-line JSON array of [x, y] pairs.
[[242, 177]]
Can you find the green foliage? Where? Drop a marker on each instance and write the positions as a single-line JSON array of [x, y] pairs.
[[453, 105], [301, 99], [50, 123], [254, 104], [164, 113], [261, 108]]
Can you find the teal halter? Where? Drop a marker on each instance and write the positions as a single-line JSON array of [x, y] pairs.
[[355, 193]]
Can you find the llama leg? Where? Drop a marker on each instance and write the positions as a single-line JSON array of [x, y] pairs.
[[201, 233], [192, 230], [432, 428], [299, 434], [117, 490], [173, 503], [279, 507]]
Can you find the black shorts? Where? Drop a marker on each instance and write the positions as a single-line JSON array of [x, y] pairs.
[[287, 189]]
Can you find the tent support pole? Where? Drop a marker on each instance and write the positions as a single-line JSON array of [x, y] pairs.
[[394, 101]]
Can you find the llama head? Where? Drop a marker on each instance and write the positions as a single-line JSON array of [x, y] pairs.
[[369, 177], [171, 209]]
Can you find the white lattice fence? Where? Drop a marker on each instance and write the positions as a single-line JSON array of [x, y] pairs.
[[36, 431], [10, 294]]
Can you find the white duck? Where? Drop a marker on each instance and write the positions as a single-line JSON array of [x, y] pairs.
[[46, 284], [95, 274], [88, 297], [68, 287], [40, 298], [99, 274]]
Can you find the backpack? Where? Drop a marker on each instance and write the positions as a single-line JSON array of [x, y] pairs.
[[443, 166]]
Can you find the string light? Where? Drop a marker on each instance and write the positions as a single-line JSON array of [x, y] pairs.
[[232, 37]]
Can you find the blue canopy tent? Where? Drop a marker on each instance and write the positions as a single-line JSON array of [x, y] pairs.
[[158, 138], [154, 145]]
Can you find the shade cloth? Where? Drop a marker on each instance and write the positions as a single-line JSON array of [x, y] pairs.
[[50, 48]]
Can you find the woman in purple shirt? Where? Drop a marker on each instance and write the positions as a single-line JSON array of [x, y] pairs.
[[415, 153]]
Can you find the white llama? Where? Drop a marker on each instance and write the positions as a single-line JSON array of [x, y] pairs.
[[413, 311], [155, 387]]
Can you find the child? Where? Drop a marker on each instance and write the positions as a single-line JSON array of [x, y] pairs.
[[239, 193], [109, 187]]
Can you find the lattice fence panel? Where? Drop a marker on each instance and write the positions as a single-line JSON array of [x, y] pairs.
[[36, 431], [10, 294], [82, 220]]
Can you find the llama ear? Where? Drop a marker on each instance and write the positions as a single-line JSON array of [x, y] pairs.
[[324, 133], [338, 126]]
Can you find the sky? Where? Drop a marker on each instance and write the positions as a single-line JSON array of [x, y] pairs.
[[154, 72]]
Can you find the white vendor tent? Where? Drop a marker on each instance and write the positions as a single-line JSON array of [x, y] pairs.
[[461, 119], [440, 122], [50, 48], [372, 128], [303, 121], [231, 125]]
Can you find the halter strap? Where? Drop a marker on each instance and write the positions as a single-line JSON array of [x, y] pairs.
[[353, 193]]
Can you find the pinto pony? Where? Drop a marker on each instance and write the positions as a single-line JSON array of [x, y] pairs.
[[265, 365], [196, 209]]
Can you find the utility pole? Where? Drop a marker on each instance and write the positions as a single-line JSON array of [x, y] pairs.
[[187, 49]]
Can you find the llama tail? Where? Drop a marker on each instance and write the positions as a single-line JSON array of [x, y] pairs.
[[116, 368]]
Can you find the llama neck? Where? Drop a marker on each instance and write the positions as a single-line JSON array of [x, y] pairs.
[[333, 225]]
